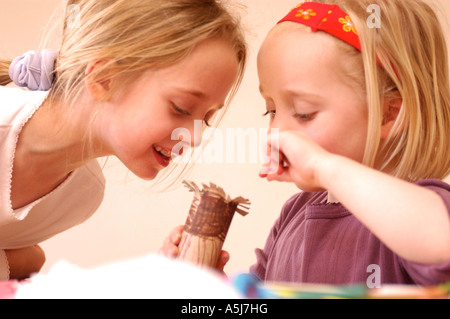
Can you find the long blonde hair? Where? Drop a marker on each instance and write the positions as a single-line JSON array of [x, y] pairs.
[[134, 36], [415, 69], [4, 75]]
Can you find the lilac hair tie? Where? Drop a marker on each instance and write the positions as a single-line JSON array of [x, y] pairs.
[[34, 70]]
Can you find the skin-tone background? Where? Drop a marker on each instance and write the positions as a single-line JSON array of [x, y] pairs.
[[134, 218]]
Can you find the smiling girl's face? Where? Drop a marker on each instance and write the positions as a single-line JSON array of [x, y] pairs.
[[302, 79], [137, 126]]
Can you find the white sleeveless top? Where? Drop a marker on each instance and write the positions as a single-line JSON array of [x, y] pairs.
[[70, 204]]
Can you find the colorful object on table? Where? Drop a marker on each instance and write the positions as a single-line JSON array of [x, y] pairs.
[[325, 17], [249, 286], [410, 292], [207, 224]]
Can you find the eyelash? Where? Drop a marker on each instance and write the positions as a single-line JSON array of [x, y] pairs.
[[185, 113], [271, 113], [305, 117], [301, 117]]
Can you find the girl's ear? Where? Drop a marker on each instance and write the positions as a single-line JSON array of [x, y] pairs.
[[391, 109], [99, 79]]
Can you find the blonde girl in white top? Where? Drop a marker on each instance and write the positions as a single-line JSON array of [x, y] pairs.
[[126, 76]]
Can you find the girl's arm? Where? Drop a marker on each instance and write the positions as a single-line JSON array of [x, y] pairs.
[[411, 220], [25, 262]]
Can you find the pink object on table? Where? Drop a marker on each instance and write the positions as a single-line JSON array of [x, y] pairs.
[[8, 289]]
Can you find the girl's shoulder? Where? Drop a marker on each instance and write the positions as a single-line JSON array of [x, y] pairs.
[[300, 201], [438, 186], [434, 183], [305, 198]]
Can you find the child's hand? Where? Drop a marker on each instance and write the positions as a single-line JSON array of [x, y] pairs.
[[25, 261], [295, 158], [170, 248], [170, 244]]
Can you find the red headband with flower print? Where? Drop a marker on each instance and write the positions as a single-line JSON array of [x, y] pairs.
[[325, 17]]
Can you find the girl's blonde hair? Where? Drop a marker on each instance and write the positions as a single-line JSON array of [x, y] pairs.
[[410, 45], [132, 37], [4, 72]]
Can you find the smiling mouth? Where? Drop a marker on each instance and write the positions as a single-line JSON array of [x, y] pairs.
[[164, 153]]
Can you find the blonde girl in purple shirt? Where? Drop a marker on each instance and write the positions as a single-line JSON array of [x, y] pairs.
[[360, 95]]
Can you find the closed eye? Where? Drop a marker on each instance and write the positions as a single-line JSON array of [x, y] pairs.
[[180, 110], [305, 117], [186, 113]]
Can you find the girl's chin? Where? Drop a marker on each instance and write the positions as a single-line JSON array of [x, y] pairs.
[[144, 169], [148, 176], [146, 173]]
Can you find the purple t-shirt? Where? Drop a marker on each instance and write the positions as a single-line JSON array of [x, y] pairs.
[[318, 242]]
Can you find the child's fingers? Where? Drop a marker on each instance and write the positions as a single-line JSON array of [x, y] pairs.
[[277, 160], [273, 166], [283, 176], [276, 168], [175, 235], [223, 259], [170, 244], [168, 249]]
